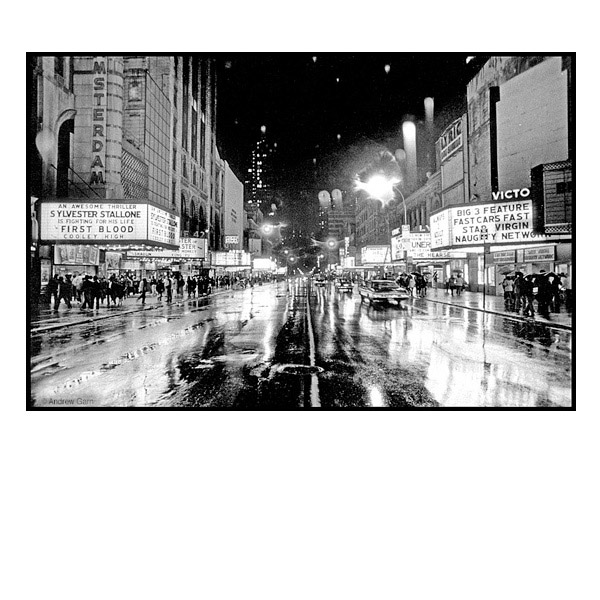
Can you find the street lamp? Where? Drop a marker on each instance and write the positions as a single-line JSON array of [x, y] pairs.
[[382, 188]]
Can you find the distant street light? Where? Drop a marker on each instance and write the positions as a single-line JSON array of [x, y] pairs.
[[267, 229]]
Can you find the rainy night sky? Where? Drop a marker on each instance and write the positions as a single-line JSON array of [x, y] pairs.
[[306, 104]]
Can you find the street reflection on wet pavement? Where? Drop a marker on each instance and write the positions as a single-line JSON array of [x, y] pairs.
[[249, 349]]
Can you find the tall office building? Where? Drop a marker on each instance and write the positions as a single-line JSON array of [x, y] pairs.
[[261, 181]]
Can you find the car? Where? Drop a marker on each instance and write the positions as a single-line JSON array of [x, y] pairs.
[[382, 290], [344, 285], [320, 282]]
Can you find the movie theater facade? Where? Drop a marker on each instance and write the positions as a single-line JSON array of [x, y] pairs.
[[105, 172]]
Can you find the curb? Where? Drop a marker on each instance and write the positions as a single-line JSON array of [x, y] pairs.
[[504, 315]]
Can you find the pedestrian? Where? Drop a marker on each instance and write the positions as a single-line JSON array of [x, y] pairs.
[[566, 283], [507, 286], [52, 290], [459, 282], [153, 285], [160, 288], [96, 292], [180, 285], [143, 289], [77, 283], [528, 290], [411, 285], [544, 294], [451, 284], [191, 287], [554, 282], [517, 292], [86, 290], [65, 291], [169, 289], [104, 291]]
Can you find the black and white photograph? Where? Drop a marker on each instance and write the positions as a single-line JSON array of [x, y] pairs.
[[299, 316], [301, 230]]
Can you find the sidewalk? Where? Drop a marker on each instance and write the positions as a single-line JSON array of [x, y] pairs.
[[495, 305], [47, 319]]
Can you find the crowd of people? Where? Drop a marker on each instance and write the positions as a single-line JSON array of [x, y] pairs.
[[415, 283], [94, 292], [549, 290]]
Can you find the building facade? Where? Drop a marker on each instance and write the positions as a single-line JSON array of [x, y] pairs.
[[122, 156], [517, 213]]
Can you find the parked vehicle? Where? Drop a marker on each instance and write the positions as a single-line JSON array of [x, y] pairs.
[[382, 290]]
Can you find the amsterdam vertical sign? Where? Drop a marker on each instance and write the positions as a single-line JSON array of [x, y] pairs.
[[98, 121]]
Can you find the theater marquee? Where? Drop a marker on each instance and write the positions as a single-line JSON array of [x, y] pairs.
[[484, 223], [108, 223]]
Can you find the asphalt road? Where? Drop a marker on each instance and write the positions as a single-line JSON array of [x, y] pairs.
[[261, 348]]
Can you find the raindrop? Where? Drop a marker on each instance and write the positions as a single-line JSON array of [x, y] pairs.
[[387, 68], [314, 59]]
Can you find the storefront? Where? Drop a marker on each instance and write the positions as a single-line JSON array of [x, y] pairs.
[[498, 238], [77, 259], [234, 263], [554, 258], [412, 253], [95, 238]]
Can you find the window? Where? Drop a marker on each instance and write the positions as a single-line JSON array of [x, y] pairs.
[[194, 133], [203, 143], [71, 73], [174, 159], [135, 92], [59, 66]]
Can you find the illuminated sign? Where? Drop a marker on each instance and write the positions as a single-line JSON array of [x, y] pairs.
[[451, 139], [477, 224], [107, 222], [233, 258], [189, 248], [504, 257], [376, 254], [547, 253], [193, 247], [231, 239], [163, 227], [417, 246], [265, 264], [98, 121]]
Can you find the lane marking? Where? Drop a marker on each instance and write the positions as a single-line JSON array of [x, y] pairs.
[[314, 381]]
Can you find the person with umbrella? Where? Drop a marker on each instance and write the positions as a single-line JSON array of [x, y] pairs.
[[518, 298], [507, 286]]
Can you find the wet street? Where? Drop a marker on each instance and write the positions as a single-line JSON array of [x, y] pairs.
[[262, 348]]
